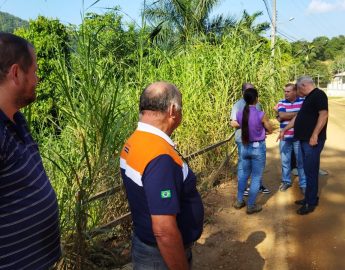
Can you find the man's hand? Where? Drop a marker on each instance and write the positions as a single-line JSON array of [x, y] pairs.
[[169, 241], [280, 136], [321, 122], [234, 124], [275, 108], [313, 140], [286, 115], [287, 127]]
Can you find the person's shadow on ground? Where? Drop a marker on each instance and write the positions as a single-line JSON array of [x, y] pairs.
[[222, 251]]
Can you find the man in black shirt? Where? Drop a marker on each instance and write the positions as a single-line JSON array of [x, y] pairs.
[[310, 126]]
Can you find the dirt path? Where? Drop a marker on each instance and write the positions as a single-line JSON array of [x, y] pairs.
[[278, 238]]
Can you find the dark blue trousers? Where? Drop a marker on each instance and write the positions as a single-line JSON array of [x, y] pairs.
[[311, 166]]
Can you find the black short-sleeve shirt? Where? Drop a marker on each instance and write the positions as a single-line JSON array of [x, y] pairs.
[[307, 117]]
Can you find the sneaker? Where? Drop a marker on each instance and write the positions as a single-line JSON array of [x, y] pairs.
[[264, 190], [246, 192], [239, 205], [284, 186], [303, 202], [254, 209], [294, 172], [300, 202], [323, 172], [302, 189], [306, 209]]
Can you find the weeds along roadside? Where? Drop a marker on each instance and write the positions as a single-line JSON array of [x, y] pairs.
[[99, 109]]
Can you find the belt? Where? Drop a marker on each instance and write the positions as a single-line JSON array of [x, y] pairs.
[[190, 245], [257, 141], [149, 244], [186, 246]]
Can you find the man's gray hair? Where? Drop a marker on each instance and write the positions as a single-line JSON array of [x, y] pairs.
[[159, 96], [303, 80]]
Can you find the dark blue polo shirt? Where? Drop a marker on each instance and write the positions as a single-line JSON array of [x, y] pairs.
[[158, 182], [29, 227]]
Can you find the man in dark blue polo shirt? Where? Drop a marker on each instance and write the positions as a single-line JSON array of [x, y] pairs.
[[29, 228], [166, 207]]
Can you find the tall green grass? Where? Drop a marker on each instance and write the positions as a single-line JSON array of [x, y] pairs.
[[83, 158], [99, 109], [210, 78]]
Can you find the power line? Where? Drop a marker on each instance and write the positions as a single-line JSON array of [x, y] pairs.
[[268, 10], [291, 29], [289, 37], [315, 22]]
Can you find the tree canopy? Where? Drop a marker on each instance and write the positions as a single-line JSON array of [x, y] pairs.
[[185, 19], [9, 23]]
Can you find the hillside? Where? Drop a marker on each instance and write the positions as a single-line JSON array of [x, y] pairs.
[[8, 22]]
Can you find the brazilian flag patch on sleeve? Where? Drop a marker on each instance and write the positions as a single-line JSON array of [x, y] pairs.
[[166, 194]]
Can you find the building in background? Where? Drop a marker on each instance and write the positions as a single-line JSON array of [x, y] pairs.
[[336, 88]]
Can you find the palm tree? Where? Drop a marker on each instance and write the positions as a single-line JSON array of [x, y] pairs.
[[307, 53], [246, 23], [184, 19]]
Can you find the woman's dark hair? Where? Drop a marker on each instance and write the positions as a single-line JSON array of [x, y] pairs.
[[250, 95]]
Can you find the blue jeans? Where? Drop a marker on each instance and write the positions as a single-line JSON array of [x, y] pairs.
[[285, 155], [253, 160], [239, 163], [311, 165], [147, 257]]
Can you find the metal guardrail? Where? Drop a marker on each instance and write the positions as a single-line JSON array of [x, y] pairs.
[[106, 193], [112, 191], [103, 194], [209, 148], [104, 228]]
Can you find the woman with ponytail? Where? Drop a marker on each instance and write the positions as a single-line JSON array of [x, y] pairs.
[[254, 124]]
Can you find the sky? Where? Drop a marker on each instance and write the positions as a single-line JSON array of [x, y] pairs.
[[296, 19]]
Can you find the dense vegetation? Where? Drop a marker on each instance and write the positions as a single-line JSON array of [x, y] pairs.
[[322, 57], [91, 78], [9, 23]]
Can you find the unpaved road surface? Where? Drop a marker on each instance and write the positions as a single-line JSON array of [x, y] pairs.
[[277, 238]]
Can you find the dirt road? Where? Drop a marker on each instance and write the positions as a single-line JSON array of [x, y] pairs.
[[278, 238]]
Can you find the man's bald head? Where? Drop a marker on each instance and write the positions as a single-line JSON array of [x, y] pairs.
[[305, 85], [159, 96], [246, 86]]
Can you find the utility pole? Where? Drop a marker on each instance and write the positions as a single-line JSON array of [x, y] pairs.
[[274, 27]]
